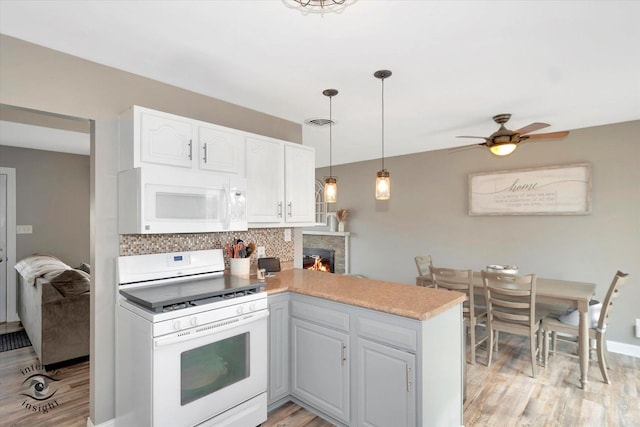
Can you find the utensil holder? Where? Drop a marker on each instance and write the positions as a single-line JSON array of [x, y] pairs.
[[240, 266]]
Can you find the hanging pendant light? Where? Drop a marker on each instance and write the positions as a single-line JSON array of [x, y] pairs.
[[330, 182], [383, 182]]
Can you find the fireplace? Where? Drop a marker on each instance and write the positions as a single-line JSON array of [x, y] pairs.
[[318, 259]]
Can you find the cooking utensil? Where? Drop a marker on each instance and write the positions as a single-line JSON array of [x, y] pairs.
[[251, 248]]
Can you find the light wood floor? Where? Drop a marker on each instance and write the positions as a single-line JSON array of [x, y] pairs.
[[502, 395]]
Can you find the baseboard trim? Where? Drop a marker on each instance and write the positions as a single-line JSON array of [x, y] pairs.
[[624, 348], [109, 423]]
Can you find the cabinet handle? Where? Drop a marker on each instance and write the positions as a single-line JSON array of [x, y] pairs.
[[342, 354], [279, 209], [409, 384], [190, 149], [290, 209], [205, 153]]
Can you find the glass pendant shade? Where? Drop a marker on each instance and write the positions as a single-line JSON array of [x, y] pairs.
[[503, 149], [330, 190], [383, 185]]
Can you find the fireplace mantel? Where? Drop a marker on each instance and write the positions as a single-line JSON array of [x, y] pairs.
[[345, 235]]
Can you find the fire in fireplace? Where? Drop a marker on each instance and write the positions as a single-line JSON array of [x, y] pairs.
[[318, 259]]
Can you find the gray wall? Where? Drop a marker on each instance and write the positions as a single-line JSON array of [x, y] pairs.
[[427, 214], [38, 78], [52, 195]]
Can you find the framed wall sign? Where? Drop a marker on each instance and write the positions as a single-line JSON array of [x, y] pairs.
[[552, 190]]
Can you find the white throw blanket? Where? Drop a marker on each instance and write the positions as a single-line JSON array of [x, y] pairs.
[[35, 266]]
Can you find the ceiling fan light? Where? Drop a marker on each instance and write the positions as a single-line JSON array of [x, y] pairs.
[[383, 185], [503, 149], [330, 189]]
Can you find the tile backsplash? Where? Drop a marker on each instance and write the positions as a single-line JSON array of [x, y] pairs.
[[271, 238]]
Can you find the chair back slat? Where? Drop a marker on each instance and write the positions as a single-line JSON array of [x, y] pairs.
[[522, 304], [511, 317]]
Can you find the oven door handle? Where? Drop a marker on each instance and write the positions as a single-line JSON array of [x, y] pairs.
[[210, 329]]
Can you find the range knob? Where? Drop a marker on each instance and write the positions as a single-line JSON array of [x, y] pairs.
[[252, 306], [240, 309], [176, 325], [193, 321]]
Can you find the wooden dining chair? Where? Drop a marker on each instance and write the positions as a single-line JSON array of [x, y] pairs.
[[462, 281], [511, 308], [597, 334], [424, 276]]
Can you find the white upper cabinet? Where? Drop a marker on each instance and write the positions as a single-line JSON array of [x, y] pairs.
[[153, 137], [165, 140], [300, 176], [221, 150], [280, 183], [280, 175], [265, 180]]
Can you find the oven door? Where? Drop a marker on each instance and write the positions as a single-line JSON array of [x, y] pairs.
[[201, 372]]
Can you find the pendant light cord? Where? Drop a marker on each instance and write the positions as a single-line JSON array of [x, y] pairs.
[[382, 123], [330, 134]]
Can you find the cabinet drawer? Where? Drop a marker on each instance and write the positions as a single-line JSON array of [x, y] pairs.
[[320, 315], [394, 335]]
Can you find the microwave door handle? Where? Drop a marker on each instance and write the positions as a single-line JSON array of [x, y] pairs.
[[226, 195]]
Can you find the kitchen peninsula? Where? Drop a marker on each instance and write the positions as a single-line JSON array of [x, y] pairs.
[[365, 352]]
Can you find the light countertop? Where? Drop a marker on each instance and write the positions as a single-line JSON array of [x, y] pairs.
[[414, 302]]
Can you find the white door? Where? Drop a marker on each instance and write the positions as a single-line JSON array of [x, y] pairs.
[[7, 245]]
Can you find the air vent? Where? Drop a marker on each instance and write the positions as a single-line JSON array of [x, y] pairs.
[[319, 122]]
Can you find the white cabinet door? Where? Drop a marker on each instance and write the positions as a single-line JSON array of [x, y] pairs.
[[278, 347], [320, 371], [300, 178], [386, 385], [265, 180], [220, 150], [165, 140]]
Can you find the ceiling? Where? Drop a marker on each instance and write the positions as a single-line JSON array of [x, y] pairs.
[[455, 64]]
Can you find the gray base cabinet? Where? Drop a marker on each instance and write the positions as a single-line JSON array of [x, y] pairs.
[[320, 372], [279, 348], [361, 367], [385, 385]]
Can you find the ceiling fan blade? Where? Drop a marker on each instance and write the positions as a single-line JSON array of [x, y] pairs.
[[466, 147], [550, 135], [532, 127], [479, 137]]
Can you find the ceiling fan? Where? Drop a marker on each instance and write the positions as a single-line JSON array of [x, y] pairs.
[[505, 141]]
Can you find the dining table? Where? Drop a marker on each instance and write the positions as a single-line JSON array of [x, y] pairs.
[[556, 292]]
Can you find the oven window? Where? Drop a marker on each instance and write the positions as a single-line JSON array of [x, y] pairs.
[[207, 369]]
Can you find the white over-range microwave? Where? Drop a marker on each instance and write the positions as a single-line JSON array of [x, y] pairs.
[[158, 200]]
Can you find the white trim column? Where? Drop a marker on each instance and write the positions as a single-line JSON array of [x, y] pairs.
[[10, 256]]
